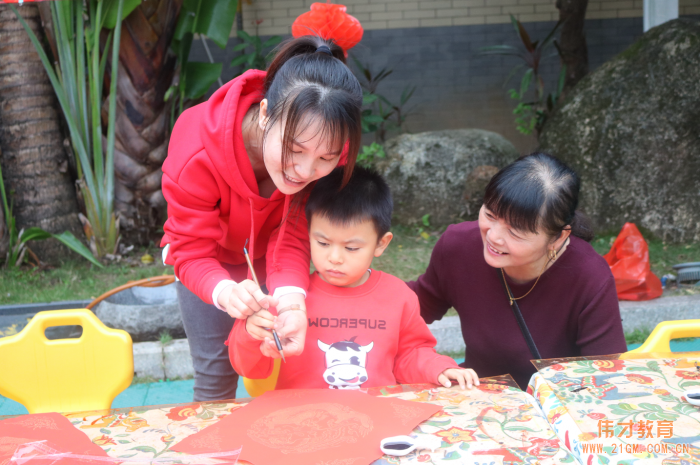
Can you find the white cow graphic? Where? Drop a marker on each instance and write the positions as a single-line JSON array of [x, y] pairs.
[[345, 363]]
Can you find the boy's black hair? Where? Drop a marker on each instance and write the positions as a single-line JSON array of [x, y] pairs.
[[366, 197]]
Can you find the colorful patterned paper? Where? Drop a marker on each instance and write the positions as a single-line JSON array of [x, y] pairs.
[[495, 424], [614, 411]]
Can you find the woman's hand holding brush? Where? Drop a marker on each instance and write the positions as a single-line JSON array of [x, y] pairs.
[[240, 300], [290, 327]]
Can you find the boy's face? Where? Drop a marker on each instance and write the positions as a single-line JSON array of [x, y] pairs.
[[342, 253]]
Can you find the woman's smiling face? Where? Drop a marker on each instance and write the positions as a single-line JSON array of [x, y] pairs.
[[505, 246], [312, 157]]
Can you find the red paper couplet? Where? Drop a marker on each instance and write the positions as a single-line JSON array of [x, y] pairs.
[[305, 426], [53, 428]]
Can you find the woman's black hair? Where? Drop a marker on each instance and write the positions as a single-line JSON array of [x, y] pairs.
[[538, 191], [305, 83]]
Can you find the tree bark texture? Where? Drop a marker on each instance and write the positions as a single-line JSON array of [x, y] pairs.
[[146, 69], [34, 161], [4, 238], [572, 45]]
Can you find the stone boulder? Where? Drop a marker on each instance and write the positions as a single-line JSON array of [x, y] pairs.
[[632, 131], [428, 172], [143, 312]]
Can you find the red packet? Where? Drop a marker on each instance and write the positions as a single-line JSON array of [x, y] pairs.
[[305, 426], [53, 428]]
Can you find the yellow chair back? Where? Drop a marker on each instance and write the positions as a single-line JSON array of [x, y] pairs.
[[256, 387], [65, 375], [659, 339]]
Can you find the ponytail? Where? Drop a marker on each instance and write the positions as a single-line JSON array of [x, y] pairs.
[[582, 227], [301, 46]]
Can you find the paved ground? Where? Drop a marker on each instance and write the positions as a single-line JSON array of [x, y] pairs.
[[163, 392]]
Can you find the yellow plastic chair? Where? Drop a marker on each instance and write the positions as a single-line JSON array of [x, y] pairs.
[[256, 387], [659, 339], [66, 375]]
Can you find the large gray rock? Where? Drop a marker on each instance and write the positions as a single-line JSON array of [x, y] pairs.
[[143, 312], [632, 131], [427, 172]]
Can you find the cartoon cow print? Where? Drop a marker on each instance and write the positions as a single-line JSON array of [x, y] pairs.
[[345, 363]]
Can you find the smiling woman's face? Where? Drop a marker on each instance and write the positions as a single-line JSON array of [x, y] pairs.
[[507, 247], [311, 159]]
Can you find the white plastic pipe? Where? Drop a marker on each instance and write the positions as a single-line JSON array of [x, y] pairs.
[[658, 12]]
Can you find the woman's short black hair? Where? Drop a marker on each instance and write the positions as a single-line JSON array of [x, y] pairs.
[[538, 191], [365, 197]]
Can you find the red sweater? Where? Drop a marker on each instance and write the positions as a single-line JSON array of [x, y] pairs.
[[572, 311], [365, 336], [214, 204]]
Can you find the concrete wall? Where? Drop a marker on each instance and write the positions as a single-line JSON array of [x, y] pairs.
[[457, 86]]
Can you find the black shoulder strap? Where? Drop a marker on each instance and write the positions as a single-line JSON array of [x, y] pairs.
[[519, 318]]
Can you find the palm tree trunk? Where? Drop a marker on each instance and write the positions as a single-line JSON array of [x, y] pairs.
[[146, 69], [4, 238], [34, 161], [572, 45]]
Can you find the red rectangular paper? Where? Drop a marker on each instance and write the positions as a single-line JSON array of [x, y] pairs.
[[305, 426], [54, 428]]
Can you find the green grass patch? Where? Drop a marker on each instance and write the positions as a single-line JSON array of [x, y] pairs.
[[638, 336], [74, 280], [407, 257]]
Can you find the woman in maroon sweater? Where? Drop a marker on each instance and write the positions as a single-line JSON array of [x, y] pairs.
[[530, 235]]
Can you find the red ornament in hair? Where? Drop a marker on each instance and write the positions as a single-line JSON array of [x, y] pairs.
[[329, 21]]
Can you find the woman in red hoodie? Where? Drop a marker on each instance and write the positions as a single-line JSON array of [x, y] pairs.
[[238, 169]]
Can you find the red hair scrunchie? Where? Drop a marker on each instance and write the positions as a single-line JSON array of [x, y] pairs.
[[329, 21]]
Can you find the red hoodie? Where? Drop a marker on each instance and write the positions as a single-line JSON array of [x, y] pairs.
[[358, 337], [214, 204]]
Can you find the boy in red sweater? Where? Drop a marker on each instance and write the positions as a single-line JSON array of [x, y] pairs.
[[365, 328]]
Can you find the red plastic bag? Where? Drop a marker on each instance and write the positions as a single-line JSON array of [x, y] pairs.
[[629, 261]]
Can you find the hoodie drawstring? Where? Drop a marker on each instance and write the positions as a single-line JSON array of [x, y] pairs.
[[251, 252], [285, 214]]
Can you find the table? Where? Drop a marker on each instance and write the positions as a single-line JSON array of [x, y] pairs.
[[623, 409], [495, 423]]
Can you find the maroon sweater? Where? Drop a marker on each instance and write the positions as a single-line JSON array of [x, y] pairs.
[[572, 311]]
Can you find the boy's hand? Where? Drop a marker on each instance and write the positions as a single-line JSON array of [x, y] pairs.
[[291, 329], [240, 300], [464, 376], [258, 325]]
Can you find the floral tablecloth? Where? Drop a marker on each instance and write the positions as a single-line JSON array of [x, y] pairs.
[[631, 411], [494, 424]]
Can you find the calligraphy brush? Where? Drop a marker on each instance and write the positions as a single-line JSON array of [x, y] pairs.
[[255, 278]]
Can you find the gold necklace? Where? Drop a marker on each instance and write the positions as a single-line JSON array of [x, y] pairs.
[[510, 296]]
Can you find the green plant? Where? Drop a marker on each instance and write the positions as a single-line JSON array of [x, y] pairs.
[[370, 154], [379, 114], [254, 59], [425, 222], [78, 83], [165, 337], [637, 336], [530, 114], [17, 246], [209, 18]]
